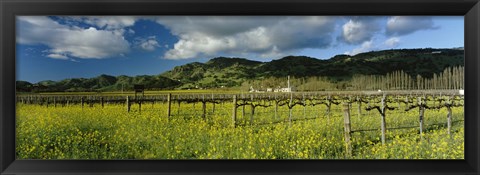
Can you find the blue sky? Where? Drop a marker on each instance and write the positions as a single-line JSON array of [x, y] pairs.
[[59, 47]]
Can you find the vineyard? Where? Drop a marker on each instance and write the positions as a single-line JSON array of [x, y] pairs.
[[309, 125]]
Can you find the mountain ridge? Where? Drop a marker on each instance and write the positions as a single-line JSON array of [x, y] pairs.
[[232, 72]]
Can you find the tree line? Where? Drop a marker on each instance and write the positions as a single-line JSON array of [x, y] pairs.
[[449, 78]]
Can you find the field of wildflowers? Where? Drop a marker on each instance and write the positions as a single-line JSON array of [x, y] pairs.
[[73, 132]]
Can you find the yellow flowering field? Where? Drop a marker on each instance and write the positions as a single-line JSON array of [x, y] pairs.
[[73, 132]]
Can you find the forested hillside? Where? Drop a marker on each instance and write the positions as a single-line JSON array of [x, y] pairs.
[[387, 69]]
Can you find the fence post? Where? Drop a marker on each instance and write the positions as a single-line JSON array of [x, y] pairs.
[[384, 125], [101, 99], [449, 116], [178, 109], [169, 101], [234, 115], [83, 101], [204, 109], [407, 104], [359, 101], [329, 104], [90, 101], [346, 125], [252, 108], [140, 105], [398, 102], [290, 109], [421, 111], [128, 104], [213, 104], [243, 109], [304, 107], [276, 107]]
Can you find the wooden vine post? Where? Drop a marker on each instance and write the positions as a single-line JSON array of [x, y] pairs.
[[213, 103], [140, 105], [290, 106], [204, 107], [101, 99], [359, 103], [329, 104], [382, 113], [449, 115], [82, 101], [407, 104], [234, 112], [276, 108], [90, 101], [243, 106], [128, 104], [169, 102], [252, 108], [304, 107], [346, 126], [421, 108], [178, 107]]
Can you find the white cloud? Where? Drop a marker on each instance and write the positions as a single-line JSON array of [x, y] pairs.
[[148, 44], [392, 42], [57, 56], [365, 47], [70, 41], [131, 31], [207, 36], [370, 45], [261, 36], [360, 29], [403, 25], [108, 22]]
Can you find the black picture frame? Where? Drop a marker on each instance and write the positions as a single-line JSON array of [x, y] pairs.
[[470, 9]]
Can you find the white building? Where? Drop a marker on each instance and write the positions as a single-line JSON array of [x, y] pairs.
[[290, 89]]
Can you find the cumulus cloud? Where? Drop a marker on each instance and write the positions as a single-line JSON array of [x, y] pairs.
[[392, 42], [98, 37], [70, 41], [403, 25], [360, 29], [106, 22], [57, 56], [373, 45], [148, 44], [365, 47], [263, 36]]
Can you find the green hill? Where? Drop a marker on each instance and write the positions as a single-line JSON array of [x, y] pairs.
[[229, 72], [232, 72]]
